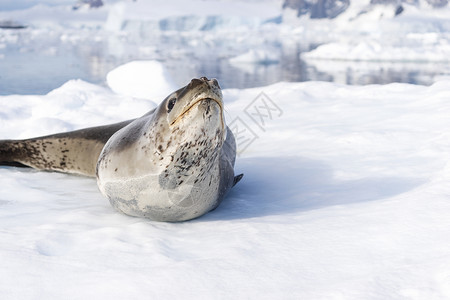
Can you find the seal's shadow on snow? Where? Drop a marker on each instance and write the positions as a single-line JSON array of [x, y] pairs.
[[285, 185]]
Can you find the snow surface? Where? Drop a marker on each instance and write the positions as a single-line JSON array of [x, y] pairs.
[[141, 79], [345, 196]]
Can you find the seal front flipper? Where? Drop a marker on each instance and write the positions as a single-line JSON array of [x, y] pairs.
[[237, 178], [71, 152]]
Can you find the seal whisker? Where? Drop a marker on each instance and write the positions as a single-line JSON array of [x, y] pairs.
[[194, 104]]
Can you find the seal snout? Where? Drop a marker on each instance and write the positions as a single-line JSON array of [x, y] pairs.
[[204, 80]]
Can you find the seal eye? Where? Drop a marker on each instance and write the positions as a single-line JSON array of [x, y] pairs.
[[171, 104]]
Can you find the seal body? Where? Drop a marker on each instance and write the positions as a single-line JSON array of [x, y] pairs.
[[175, 163]]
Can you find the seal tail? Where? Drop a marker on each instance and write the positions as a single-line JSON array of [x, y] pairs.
[[11, 153], [71, 152]]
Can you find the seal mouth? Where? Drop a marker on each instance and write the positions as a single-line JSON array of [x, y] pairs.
[[194, 104]]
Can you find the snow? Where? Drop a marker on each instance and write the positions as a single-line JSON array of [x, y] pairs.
[[345, 196], [375, 51], [374, 34], [256, 57], [189, 15], [141, 79], [23, 4], [56, 17], [345, 193]]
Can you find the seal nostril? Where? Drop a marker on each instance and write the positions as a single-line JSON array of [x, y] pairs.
[[204, 78]]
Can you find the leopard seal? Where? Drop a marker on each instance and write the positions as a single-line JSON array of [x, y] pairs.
[[175, 163]]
